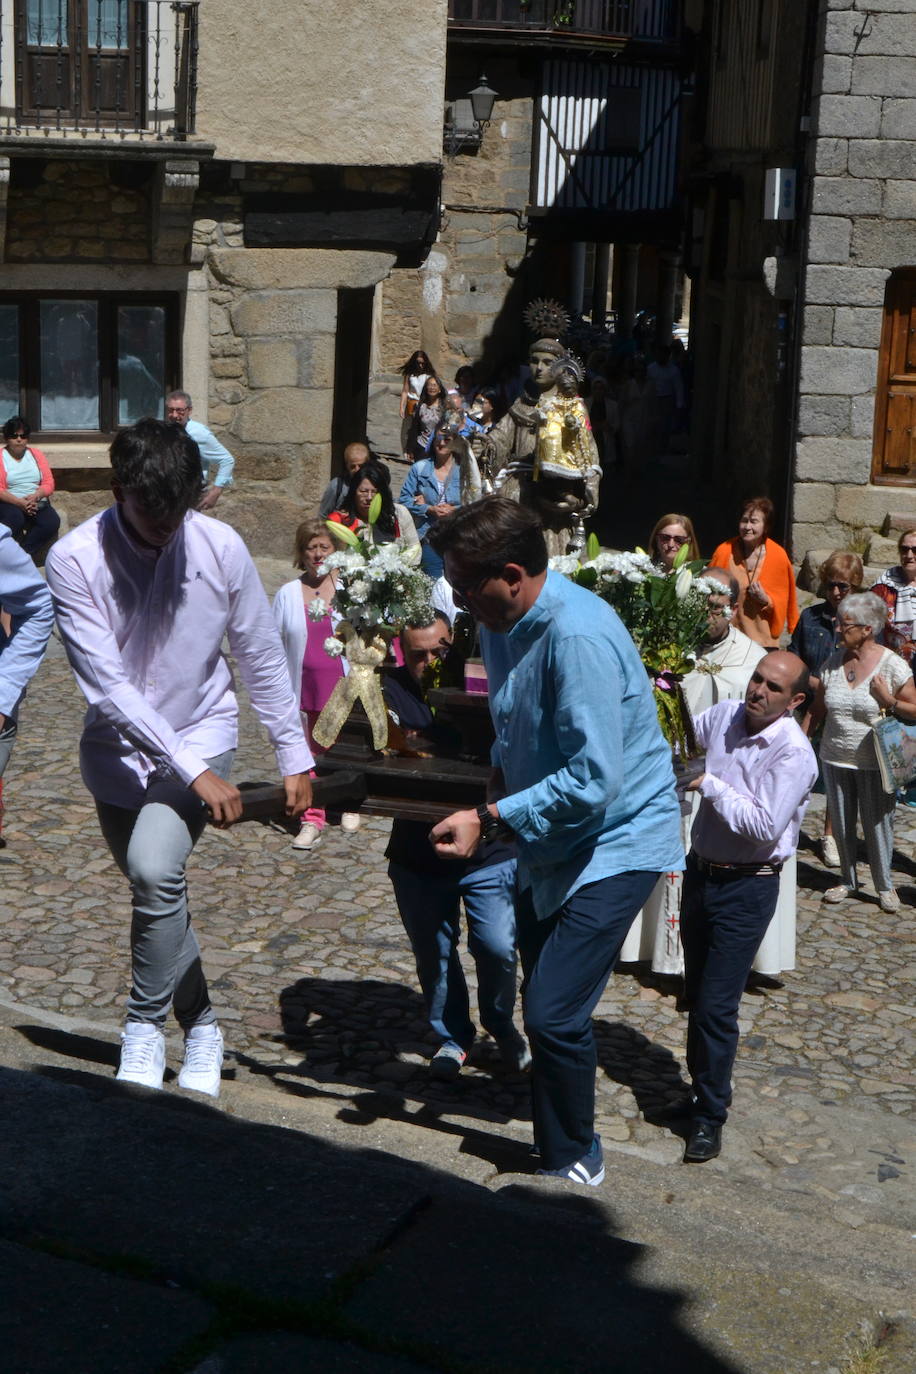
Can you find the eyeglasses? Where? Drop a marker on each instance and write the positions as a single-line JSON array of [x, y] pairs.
[[852, 625], [464, 592], [841, 586], [678, 539]]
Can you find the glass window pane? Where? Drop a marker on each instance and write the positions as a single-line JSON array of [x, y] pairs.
[[107, 23], [141, 362], [46, 21], [69, 342], [9, 361]]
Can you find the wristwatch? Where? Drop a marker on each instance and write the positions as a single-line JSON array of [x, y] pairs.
[[491, 827]]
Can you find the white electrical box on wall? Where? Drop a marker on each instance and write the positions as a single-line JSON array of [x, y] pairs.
[[779, 193]]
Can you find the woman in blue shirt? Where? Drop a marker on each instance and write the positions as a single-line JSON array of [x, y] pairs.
[[431, 489]]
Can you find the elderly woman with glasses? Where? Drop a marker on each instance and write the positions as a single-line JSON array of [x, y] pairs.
[[668, 537], [857, 682], [897, 589], [817, 636]]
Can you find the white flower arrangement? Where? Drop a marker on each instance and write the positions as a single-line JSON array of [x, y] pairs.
[[378, 587], [665, 613]]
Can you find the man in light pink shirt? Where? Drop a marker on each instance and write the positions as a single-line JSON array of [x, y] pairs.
[[760, 769], [144, 594]]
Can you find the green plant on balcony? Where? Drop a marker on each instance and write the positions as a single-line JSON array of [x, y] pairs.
[[564, 14]]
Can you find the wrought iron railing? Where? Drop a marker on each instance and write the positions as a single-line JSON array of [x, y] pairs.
[[654, 21], [110, 68]]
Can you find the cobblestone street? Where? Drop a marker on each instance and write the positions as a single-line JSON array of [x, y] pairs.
[[313, 981]]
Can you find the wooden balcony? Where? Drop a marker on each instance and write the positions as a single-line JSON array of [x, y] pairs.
[[74, 73], [575, 22]]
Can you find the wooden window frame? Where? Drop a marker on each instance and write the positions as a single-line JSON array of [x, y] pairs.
[[108, 302], [891, 372]]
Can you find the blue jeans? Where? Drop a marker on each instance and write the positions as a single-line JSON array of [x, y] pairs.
[[430, 908], [151, 847], [723, 920], [567, 960]]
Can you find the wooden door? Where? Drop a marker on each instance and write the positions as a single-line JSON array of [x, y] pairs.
[[894, 452]]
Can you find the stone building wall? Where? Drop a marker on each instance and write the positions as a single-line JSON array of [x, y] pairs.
[[74, 213], [862, 226], [457, 306]]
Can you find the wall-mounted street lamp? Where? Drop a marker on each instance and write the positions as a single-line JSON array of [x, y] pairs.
[[468, 116]]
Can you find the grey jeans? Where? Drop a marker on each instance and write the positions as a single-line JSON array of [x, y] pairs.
[[7, 740], [151, 847]]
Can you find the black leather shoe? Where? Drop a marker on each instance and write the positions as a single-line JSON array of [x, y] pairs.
[[705, 1143]]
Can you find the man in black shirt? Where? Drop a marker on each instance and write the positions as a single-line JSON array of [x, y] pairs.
[[429, 892]]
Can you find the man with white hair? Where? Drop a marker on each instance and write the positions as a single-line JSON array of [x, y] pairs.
[[178, 410]]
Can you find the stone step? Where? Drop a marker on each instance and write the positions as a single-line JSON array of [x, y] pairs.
[[291, 1182]]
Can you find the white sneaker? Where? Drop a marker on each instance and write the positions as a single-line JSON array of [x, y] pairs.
[[829, 852], [203, 1059], [308, 836], [142, 1054], [350, 821]]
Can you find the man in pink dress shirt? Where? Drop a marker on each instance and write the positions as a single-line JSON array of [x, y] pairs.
[[760, 769], [144, 594]]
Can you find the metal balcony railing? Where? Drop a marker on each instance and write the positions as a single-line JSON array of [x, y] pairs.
[[652, 21], [111, 69]]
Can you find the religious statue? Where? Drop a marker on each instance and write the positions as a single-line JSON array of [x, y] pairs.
[[542, 452]]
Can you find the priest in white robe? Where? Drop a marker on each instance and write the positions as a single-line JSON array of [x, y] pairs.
[[723, 669]]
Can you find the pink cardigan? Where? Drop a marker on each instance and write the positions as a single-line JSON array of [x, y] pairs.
[[47, 477]]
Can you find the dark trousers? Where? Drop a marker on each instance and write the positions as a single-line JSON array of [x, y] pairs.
[[724, 917], [567, 959], [32, 531]]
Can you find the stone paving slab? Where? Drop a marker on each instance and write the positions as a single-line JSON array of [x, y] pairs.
[[59, 1317], [195, 1192], [258, 1354], [274, 1227]]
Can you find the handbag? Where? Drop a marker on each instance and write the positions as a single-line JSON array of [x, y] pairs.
[[895, 749]]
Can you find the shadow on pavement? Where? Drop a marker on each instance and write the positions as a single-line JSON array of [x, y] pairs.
[[172, 1231]]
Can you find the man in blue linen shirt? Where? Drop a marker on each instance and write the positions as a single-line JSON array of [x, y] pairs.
[[178, 410], [25, 597], [583, 782]]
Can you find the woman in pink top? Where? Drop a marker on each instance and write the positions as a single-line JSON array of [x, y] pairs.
[[26, 482], [313, 673]]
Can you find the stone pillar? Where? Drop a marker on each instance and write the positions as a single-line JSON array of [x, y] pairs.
[[668, 267], [177, 182], [576, 294], [600, 284], [626, 295]]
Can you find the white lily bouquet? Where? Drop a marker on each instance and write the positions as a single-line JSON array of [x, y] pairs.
[[379, 588], [666, 615]]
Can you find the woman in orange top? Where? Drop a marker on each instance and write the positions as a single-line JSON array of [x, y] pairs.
[[767, 602]]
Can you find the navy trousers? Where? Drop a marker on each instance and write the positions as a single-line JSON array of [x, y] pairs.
[[32, 531], [567, 959], [724, 917]]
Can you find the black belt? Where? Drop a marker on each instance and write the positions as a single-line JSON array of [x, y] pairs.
[[717, 870]]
